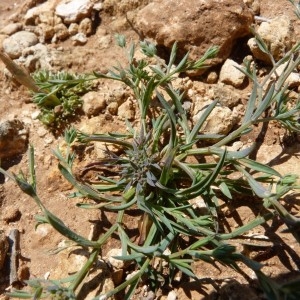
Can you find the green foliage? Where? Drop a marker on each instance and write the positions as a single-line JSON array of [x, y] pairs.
[[157, 172], [59, 96]]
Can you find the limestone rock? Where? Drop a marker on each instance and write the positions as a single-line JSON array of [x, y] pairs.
[[13, 138], [34, 15], [85, 26], [45, 32], [16, 43], [79, 39], [230, 74], [73, 28], [209, 23], [220, 121], [38, 56], [277, 35], [293, 80], [11, 28], [61, 31], [227, 95], [93, 103], [126, 111], [117, 264], [73, 11]]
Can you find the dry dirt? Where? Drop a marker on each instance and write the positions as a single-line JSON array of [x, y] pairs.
[[281, 258]]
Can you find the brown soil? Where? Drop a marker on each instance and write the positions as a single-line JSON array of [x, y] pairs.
[[280, 256]]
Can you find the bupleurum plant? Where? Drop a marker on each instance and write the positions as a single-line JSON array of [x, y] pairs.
[[157, 172]]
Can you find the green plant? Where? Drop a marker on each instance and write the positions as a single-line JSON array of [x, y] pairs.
[[58, 96], [158, 173]]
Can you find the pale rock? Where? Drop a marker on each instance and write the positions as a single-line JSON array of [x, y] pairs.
[[116, 263], [73, 11], [104, 41], [126, 111], [46, 17], [278, 35], [93, 124], [38, 56], [45, 32], [70, 260], [293, 80], [79, 39], [35, 115], [112, 108], [11, 28], [212, 77], [43, 230], [16, 43], [230, 74], [32, 16], [93, 103], [61, 31], [227, 95], [220, 121], [98, 6], [73, 29], [13, 138], [85, 26], [202, 18], [172, 296], [42, 131]]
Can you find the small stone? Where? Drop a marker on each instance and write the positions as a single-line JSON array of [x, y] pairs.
[[46, 31], [79, 39], [11, 28], [293, 80], [39, 13], [42, 131], [278, 35], [16, 43], [228, 95], [11, 214], [116, 263], [212, 77], [126, 111], [104, 41], [85, 26], [48, 140], [73, 11], [61, 31], [220, 121], [172, 296], [93, 103], [231, 75], [73, 29], [112, 108]]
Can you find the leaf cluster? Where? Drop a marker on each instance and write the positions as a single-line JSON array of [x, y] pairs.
[[59, 96]]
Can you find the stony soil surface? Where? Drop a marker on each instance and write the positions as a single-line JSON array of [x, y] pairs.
[[17, 211]]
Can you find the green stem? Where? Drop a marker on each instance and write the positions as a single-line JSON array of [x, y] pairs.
[[84, 271]]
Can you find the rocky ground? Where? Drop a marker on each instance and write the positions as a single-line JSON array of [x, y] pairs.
[[78, 36]]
